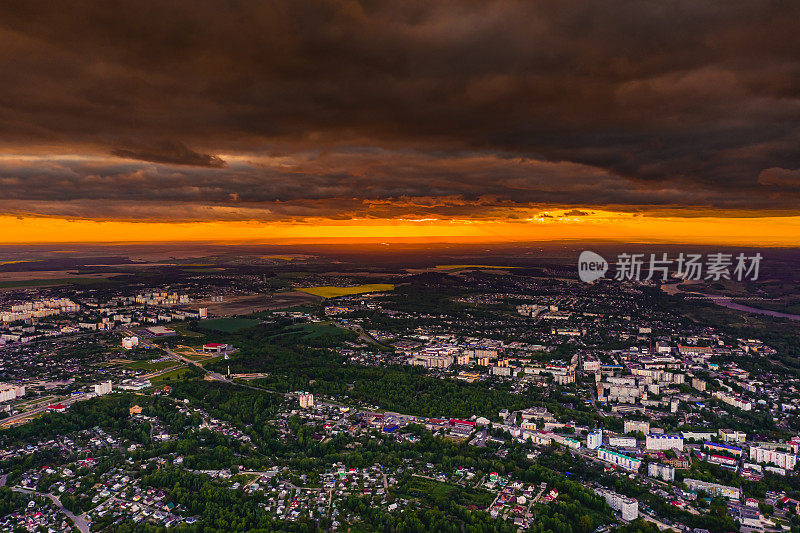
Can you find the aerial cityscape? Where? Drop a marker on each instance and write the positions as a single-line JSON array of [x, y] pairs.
[[305, 388], [399, 266]]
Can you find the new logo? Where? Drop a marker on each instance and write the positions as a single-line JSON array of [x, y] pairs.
[[591, 266]]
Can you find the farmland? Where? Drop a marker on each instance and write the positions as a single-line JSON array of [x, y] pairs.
[[330, 291]]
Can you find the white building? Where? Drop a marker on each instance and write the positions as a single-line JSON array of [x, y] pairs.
[[661, 471], [623, 461], [104, 387], [622, 442], [785, 460], [134, 384], [540, 438], [591, 365], [628, 508], [635, 426], [130, 343], [698, 435], [11, 392], [714, 489], [657, 442], [730, 435], [735, 401], [432, 361], [306, 400], [594, 439]]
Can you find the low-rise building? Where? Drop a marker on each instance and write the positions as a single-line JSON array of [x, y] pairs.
[[661, 442], [714, 489], [624, 461]]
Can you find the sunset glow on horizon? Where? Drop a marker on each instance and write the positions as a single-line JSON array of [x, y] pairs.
[[399, 120], [604, 226]]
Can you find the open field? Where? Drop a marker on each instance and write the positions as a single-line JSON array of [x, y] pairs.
[[50, 282], [243, 305], [229, 325], [441, 494], [466, 267], [171, 376], [47, 278], [329, 291]]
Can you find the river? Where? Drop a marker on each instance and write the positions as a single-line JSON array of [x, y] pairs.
[[724, 301]]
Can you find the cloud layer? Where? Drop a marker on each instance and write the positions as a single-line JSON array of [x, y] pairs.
[[281, 110]]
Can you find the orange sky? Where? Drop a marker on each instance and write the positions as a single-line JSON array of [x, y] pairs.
[[604, 225]]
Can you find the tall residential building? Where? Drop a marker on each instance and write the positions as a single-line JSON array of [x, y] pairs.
[[785, 460], [104, 387], [665, 472], [628, 508], [594, 439], [306, 400], [11, 392]]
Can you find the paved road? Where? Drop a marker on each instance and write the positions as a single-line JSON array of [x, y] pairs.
[[79, 520], [66, 401]]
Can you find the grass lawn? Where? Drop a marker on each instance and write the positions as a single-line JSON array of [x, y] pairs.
[[329, 291], [229, 325], [175, 375], [182, 328], [207, 360]]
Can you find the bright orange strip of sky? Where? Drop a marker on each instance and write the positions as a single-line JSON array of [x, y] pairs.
[[765, 231]]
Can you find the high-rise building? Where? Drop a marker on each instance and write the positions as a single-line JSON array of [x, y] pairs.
[[306, 400], [785, 460], [594, 439], [665, 472], [104, 387], [628, 508], [11, 392]]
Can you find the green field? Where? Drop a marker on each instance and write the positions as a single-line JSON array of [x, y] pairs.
[[441, 494], [54, 281], [330, 291], [229, 325], [174, 375]]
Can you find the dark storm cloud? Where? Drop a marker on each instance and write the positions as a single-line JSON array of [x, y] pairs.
[[339, 107], [170, 152]]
